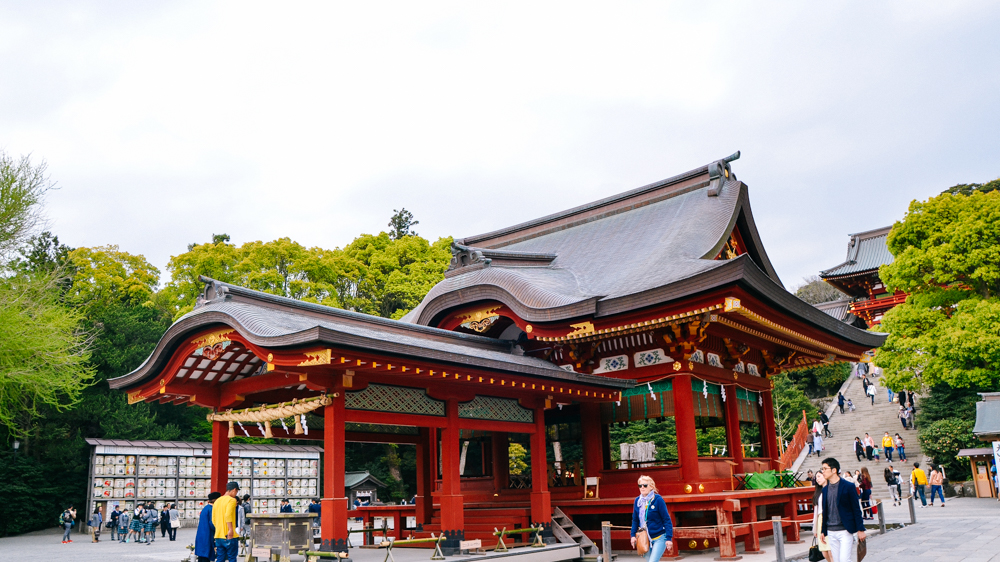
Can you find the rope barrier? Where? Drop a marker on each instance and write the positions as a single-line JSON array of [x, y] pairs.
[[746, 524]]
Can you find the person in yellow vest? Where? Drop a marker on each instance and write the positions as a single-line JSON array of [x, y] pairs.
[[224, 519], [888, 445], [917, 481]]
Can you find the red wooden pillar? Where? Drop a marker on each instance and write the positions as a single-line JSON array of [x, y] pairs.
[[687, 438], [501, 461], [220, 456], [733, 439], [768, 431], [541, 499], [452, 502], [426, 472], [334, 502], [593, 442]]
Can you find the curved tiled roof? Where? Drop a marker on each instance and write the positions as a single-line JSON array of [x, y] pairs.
[[275, 322], [606, 253], [865, 252]]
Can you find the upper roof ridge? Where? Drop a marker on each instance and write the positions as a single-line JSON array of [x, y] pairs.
[[715, 174]]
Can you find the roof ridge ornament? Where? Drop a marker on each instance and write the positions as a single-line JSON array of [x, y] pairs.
[[719, 172], [214, 290]]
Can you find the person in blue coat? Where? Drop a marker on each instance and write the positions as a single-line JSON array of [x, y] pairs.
[[649, 513], [843, 525], [204, 539]]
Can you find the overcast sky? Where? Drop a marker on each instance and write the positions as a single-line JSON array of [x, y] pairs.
[[165, 122]]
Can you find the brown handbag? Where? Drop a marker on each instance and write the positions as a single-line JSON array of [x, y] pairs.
[[642, 542]]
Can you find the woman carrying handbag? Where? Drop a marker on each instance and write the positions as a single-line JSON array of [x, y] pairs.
[[652, 530], [820, 550]]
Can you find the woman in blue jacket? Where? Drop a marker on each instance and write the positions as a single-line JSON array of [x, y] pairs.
[[649, 513]]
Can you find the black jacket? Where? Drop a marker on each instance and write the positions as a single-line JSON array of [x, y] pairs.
[[848, 505]]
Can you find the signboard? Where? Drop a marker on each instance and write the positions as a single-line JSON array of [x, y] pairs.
[[470, 545], [996, 461], [261, 553]]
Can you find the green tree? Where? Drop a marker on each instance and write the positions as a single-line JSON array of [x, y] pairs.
[[943, 439], [970, 188], [401, 224], [947, 256], [789, 402]]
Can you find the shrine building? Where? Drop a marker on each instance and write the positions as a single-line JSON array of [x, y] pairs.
[[868, 299], [658, 305]]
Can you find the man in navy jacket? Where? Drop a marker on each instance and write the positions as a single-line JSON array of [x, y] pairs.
[[841, 513]]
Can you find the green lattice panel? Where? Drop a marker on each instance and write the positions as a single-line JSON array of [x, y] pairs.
[[492, 408], [396, 399]]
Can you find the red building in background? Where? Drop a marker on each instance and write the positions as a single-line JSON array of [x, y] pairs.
[[858, 276], [655, 305]]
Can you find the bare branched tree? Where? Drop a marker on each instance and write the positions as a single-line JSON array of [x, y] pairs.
[[22, 188]]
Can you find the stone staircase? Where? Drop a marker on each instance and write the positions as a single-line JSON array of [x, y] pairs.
[[875, 420]]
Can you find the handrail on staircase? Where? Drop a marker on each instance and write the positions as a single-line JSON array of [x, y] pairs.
[[798, 443]]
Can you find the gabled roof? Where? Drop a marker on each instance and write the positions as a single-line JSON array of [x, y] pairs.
[[988, 416], [352, 479], [841, 310], [197, 445], [602, 258], [865, 253], [272, 321]]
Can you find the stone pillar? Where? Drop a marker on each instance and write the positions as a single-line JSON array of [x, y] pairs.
[[452, 502], [220, 456], [687, 438], [334, 501]]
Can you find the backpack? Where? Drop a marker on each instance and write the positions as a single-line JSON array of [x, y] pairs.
[[62, 518]]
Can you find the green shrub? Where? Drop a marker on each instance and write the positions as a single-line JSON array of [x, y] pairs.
[[941, 440]]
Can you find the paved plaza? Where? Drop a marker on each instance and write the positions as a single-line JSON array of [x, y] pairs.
[[966, 530]]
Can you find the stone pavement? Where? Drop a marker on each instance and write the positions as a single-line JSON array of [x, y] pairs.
[[966, 529]]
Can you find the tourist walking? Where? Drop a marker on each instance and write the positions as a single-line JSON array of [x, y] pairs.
[[96, 520], [204, 538], [175, 521], [888, 445], [66, 521], [842, 520], [164, 521], [902, 397], [136, 528], [840, 402], [892, 481], [900, 447], [865, 483], [150, 520], [817, 443], [650, 516], [918, 479], [903, 415], [224, 519], [820, 482], [826, 424], [889, 391], [871, 392], [850, 404], [937, 483], [859, 449]]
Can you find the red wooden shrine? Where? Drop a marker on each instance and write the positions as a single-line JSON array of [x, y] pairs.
[[655, 304], [858, 277]]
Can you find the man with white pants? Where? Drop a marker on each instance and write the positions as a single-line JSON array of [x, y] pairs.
[[841, 514]]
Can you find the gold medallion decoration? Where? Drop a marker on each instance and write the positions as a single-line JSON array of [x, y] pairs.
[[677, 365], [701, 488], [213, 338], [321, 357], [688, 489], [693, 544]]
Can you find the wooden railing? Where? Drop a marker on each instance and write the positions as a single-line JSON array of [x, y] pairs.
[[795, 447]]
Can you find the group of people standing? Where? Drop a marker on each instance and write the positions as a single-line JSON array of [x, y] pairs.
[[868, 449], [223, 520]]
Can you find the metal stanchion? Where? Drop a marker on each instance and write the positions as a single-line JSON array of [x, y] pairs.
[[913, 511], [779, 539], [881, 518], [606, 541]]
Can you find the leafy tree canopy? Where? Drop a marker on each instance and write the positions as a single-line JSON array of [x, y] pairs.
[[106, 274], [816, 291], [947, 256], [22, 187], [374, 274], [970, 188]]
